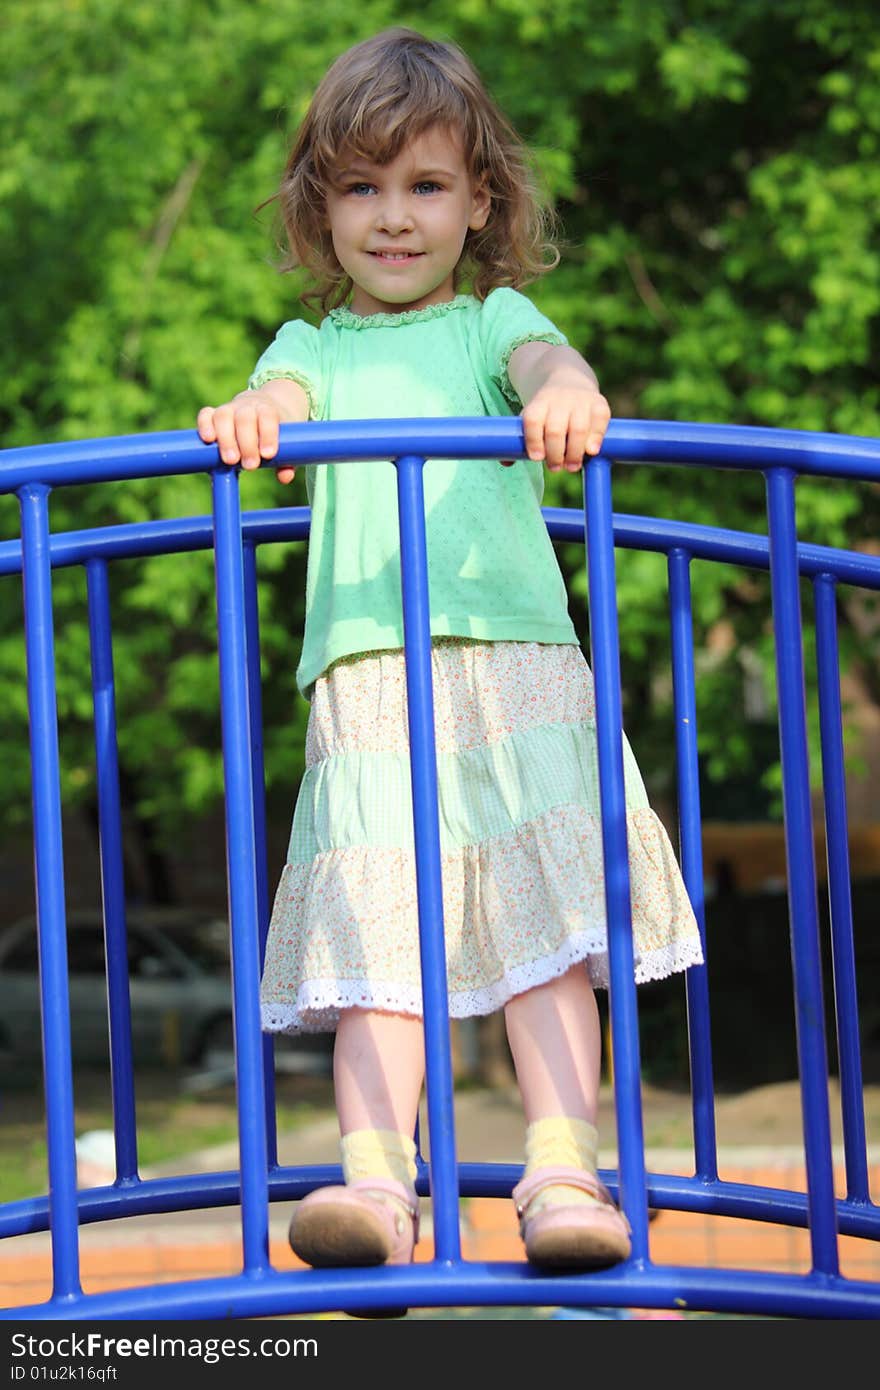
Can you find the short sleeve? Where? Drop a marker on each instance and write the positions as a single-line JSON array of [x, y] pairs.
[[295, 355], [507, 320]]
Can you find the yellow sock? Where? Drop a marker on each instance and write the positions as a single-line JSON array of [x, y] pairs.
[[379, 1153], [561, 1140]]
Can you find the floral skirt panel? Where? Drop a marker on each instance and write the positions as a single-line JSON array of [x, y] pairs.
[[520, 833]]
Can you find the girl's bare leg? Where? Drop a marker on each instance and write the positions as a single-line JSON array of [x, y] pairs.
[[378, 1070], [556, 1042], [567, 1219]]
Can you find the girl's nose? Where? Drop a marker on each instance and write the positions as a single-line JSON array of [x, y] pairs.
[[394, 215]]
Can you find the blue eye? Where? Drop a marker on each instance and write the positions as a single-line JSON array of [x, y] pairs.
[[427, 186], [360, 189]]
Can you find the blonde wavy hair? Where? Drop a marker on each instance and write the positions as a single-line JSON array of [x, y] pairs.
[[376, 97]]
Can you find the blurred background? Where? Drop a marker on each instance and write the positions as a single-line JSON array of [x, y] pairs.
[[715, 169]]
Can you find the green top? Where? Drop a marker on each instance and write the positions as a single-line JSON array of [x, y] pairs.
[[492, 570]]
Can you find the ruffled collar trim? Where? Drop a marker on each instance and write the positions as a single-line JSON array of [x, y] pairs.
[[346, 319]]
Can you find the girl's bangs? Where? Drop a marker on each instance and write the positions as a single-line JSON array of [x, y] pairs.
[[377, 131]]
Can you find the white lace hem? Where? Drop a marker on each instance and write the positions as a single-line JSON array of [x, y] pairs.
[[319, 1002]]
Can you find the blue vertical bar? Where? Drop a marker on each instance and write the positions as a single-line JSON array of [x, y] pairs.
[[49, 876], [112, 870], [423, 762], [691, 836], [623, 1005], [255, 709], [839, 890], [241, 873], [801, 866]]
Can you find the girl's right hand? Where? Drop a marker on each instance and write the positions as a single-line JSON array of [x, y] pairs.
[[245, 429]]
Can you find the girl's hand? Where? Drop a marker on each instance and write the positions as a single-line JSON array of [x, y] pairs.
[[561, 423], [565, 415], [245, 429]]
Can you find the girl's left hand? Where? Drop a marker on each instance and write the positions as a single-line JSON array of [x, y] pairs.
[[564, 413], [564, 421]]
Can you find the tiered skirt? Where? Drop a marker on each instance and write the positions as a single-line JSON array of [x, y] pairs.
[[520, 833]]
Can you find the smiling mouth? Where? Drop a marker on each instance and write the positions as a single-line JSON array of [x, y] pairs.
[[396, 257]]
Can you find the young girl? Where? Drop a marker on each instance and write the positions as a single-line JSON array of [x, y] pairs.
[[404, 184]]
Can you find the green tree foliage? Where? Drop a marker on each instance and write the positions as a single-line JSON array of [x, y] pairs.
[[716, 171]]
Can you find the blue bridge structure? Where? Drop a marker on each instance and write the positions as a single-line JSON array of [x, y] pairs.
[[447, 1280]]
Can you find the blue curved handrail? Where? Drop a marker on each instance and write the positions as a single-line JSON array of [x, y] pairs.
[[122, 457]]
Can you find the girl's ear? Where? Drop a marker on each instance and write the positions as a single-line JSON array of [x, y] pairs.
[[481, 206]]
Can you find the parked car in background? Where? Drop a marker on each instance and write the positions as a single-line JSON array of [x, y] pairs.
[[180, 988]]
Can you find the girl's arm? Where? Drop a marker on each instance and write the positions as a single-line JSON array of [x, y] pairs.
[[245, 429], [564, 413]]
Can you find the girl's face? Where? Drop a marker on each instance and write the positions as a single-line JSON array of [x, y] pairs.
[[398, 229]]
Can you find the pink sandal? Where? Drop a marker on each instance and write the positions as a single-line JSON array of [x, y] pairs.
[[356, 1225], [576, 1236]]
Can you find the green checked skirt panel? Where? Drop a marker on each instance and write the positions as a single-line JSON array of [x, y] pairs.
[[520, 840]]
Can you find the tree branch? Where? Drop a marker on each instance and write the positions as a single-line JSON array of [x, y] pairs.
[[174, 207]]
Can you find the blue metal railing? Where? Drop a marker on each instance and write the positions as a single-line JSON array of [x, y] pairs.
[[260, 1290]]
